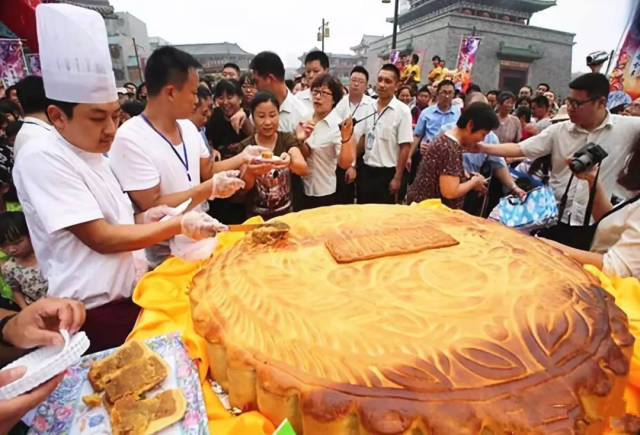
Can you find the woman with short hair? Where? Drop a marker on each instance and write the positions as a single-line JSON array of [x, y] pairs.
[[330, 145]]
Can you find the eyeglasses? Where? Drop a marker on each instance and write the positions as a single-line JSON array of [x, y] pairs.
[[573, 103], [320, 92]]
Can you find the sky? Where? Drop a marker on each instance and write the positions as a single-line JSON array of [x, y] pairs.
[[289, 27]]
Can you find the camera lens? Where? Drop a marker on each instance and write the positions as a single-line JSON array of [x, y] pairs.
[[581, 163]]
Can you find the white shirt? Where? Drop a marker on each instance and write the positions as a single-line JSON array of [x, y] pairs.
[[59, 186], [31, 128], [305, 97], [360, 111], [385, 132], [616, 135], [292, 112], [618, 238], [142, 159], [325, 143]]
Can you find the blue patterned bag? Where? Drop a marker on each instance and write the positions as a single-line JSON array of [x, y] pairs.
[[538, 210]]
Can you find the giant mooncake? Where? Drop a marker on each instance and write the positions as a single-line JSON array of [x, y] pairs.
[[470, 328]]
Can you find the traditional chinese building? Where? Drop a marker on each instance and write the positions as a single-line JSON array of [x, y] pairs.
[[212, 57], [512, 53]]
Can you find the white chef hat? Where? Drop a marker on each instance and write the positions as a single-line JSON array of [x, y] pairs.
[[74, 55]]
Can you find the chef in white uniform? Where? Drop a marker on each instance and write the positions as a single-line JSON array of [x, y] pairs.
[[81, 224]]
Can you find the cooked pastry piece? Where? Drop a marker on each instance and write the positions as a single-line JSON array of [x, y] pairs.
[[92, 400], [102, 370], [270, 232], [140, 417], [267, 155], [136, 378], [366, 245]]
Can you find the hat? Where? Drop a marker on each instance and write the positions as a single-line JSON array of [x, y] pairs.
[[74, 55], [617, 98], [562, 115]]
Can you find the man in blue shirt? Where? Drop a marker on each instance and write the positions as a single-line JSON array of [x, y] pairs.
[[431, 121]]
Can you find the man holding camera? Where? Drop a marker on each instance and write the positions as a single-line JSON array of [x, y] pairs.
[[591, 123]]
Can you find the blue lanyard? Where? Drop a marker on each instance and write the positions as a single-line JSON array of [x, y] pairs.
[[184, 162]]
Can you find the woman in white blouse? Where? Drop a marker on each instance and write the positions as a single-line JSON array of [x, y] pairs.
[[330, 145], [616, 245]]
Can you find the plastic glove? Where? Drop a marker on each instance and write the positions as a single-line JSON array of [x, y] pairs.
[[197, 225], [226, 183], [252, 152], [154, 214]]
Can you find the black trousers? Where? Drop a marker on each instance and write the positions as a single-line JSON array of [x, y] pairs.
[[345, 193], [318, 201], [227, 211], [297, 193], [373, 185]]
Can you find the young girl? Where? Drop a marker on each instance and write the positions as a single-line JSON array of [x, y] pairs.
[[21, 269]]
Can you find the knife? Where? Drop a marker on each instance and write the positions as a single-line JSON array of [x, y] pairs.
[[244, 227]]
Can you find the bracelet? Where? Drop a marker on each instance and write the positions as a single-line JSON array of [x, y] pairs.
[[3, 323], [348, 139]]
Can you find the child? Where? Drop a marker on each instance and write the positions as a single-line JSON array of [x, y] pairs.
[[21, 270]]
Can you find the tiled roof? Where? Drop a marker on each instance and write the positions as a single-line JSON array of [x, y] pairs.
[[103, 7], [213, 48]]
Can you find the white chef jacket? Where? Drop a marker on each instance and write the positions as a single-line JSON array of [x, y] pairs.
[[60, 185]]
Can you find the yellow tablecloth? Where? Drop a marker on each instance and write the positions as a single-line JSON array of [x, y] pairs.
[[627, 294], [162, 295]]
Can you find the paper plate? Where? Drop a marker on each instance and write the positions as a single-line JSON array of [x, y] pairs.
[[45, 363]]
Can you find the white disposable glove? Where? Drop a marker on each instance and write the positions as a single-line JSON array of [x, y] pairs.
[[154, 214], [252, 152], [197, 225], [224, 184]]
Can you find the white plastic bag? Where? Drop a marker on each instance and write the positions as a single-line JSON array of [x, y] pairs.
[[192, 250]]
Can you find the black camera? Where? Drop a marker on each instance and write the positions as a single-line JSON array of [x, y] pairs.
[[597, 58], [587, 158]]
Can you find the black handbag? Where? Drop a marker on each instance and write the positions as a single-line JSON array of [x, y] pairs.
[[576, 236], [580, 237]]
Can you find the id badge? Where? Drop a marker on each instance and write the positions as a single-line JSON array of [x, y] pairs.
[[371, 138]]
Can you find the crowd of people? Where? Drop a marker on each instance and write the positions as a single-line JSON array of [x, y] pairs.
[[113, 164]]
